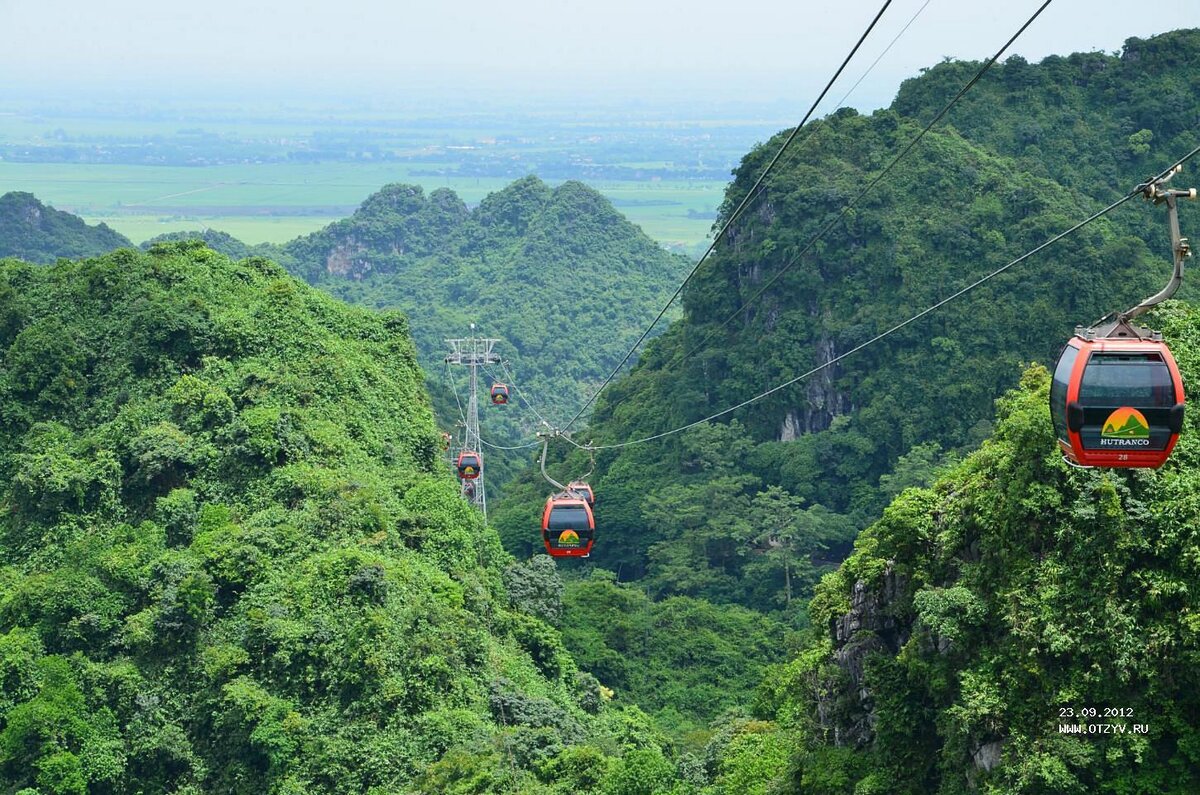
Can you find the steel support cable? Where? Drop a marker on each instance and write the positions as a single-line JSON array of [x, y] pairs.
[[760, 186], [737, 212], [892, 330], [866, 73], [756, 190], [453, 388], [870, 187], [590, 449], [526, 446], [513, 447], [574, 443], [878, 58], [586, 447], [522, 395]]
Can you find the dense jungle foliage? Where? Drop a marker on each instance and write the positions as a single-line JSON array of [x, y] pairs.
[[231, 561], [558, 274], [217, 240], [1093, 122], [750, 511], [34, 232], [825, 456]]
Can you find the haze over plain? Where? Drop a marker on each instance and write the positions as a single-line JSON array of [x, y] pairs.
[[625, 51], [652, 104]]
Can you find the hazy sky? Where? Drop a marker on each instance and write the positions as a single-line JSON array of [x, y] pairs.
[[641, 49]]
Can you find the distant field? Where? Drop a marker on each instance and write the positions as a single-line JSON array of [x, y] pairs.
[[140, 228], [270, 170], [276, 202]]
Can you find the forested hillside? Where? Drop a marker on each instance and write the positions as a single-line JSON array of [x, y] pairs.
[[559, 275], [222, 242], [36, 233], [1014, 597], [231, 561], [1091, 121]]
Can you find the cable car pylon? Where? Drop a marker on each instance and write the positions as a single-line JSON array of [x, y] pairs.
[[1116, 398], [472, 352]]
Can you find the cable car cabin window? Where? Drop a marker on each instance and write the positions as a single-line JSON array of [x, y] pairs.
[[1058, 390], [568, 518], [1126, 379]]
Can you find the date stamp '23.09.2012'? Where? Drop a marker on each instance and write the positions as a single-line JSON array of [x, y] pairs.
[[1099, 720]]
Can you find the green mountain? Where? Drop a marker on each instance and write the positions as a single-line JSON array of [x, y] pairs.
[[34, 232], [754, 509], [230, 560], [561, 277], [1094, 122]]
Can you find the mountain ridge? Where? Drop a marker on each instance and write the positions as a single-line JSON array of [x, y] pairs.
[[557, 273], [33, 231]]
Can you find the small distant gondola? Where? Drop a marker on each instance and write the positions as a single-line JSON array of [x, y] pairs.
[[499, 394], [470, 464]]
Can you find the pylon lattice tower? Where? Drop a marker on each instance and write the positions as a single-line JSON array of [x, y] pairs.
[[473, 353]]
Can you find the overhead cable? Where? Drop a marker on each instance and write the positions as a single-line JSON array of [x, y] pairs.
[[733, 217], [893, 329]]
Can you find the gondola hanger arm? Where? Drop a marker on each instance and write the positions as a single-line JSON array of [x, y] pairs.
[[1156, 191], [546, 436]]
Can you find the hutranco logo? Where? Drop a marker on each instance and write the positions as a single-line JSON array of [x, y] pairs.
[[568, 538], [1125, 427]]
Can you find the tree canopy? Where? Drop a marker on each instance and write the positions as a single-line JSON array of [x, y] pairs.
[[231, 559]]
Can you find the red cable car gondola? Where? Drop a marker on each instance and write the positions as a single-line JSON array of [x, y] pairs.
[[583, 490], [568, 527], [1116, 401], [499, 394], [470, 464]]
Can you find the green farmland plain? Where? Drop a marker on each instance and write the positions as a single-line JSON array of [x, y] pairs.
[[269, 172], [275, 202]]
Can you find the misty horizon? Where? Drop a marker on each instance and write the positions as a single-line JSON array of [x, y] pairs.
[[480, 55]]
